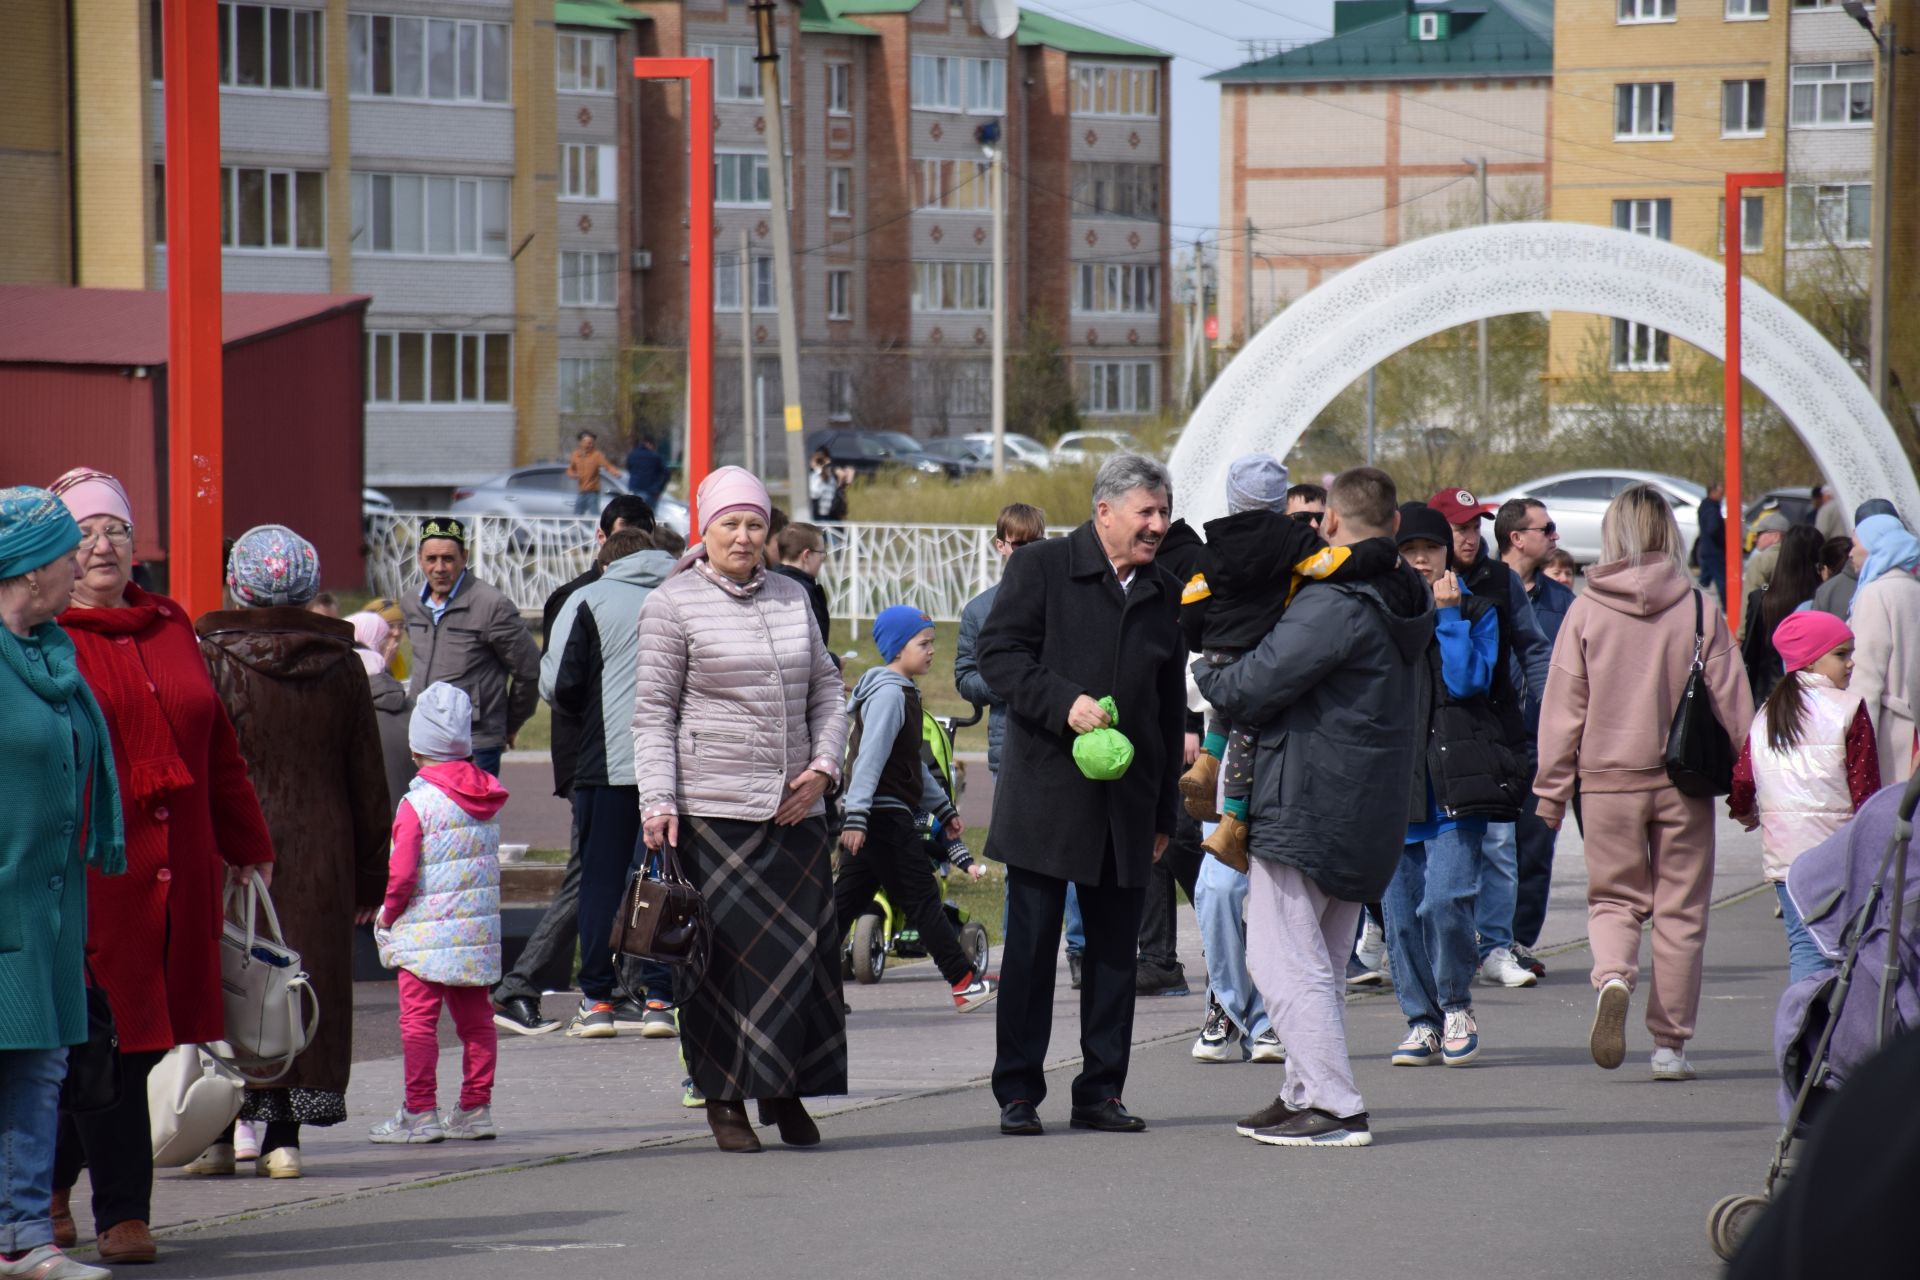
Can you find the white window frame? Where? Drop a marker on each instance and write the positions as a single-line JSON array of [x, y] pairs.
[[589, 171], [1753, 225], [479, 219], [589, 69], [476, 83], [1640, 348], [1644, 101], [839, 395], [288, 183], [303, 29], [839, 88], [1428, 27], [986, 86], [954, 185], [1828, 212], [726, 283], [1634, 12], [839, 191], [936, 82], [1644, 217], [1111, 388], [738, 168], [1114, 89], [1744, 93], [1116, 289], [736, 76], [467, 346], [579, 377], [1825, 4], [839, 294], [952, 286], [589, 278], [1748, 10], [1805, 86]]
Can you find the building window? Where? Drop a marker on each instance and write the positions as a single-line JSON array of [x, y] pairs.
[[1429, 26], [946, 389], [589, 279], [411, 213], [941, 83], [1644, 217], [443, 367], [839, 88], [736, 76], [268, 47], [1117, 290], [726, 282], [740, 179], [1642, 111], [586, 385], [1748, 10], [1743, 108], [1639, 348], [1820, 4], [582, 64], [839, 395], [839, 295], [271, 209], [1118, 187], [588, 172], [1115, 386], [839, 191], [1753, 225], [952, 286], [1101, 89], [1646, 10], [987, 86], [964, 185], [1836, 213], [1833, 95], [426, 59]]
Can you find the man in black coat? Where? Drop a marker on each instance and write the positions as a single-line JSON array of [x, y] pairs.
[[1077, 619]]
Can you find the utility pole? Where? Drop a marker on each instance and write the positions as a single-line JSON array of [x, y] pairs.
[[992, 137], [1196, 328], [1480, 326], [1882, 280], [1246, 285], [747, 432], [768, 56]]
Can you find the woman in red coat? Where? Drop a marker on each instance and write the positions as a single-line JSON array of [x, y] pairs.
[[191, 820]]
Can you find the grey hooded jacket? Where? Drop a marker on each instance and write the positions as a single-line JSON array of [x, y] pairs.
[[592, 663]]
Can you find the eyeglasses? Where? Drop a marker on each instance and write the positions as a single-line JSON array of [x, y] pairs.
[[1308, 517], [117, 534]]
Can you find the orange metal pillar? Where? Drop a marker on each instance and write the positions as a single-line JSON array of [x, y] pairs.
[[1735, 517], [195, 429], [698, 73]]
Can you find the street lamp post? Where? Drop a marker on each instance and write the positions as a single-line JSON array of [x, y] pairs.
[[993, 146]]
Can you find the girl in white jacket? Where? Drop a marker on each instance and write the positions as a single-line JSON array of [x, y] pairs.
[[1809, 762]]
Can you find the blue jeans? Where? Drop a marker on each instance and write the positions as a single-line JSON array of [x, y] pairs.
[[1429, 913], [1498, 873], [1803, 955], [29, 1126], [485, 759], [586, 502], [1219, 904]]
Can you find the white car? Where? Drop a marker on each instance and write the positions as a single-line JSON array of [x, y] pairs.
[[1576, 500], [1024, 448], [1085, 448]]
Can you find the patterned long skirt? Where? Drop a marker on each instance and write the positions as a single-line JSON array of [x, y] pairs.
[[766, 1022]]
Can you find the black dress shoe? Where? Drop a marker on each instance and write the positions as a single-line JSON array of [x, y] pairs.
[[1020, 1119], [1107, 1117], [797, 1128]]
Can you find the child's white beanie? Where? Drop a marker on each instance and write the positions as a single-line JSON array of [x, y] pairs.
[[442, 725], [1256, 480]]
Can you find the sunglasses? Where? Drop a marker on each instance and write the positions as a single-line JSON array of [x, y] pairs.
[[1549, 528], [1014, 544], [1308, 517]]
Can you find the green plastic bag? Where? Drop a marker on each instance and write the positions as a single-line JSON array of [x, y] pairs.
[[1104, 754]]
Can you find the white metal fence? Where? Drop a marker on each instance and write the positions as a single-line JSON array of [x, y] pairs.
[[937, 567]]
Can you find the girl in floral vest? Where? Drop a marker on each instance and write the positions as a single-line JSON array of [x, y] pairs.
[[440, 923], [1809, 762]]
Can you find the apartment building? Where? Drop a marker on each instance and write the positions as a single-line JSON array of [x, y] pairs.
[[1334, 149]]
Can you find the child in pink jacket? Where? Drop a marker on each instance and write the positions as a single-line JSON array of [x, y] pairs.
[[440, 923]]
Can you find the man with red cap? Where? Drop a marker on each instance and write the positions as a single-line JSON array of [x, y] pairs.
[[1519, 680]]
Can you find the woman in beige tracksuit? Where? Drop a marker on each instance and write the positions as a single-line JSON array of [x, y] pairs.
[[1620, 665]]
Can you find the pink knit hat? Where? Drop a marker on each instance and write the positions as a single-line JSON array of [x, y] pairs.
[[90, 493], [731, 489], [1804, 638]]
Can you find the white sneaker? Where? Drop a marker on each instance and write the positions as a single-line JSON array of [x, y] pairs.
[[246, 1140], [1460, 1039], [473, 1126], [215, 1161], [1267, 1047], [48, 1263], [405, 1126], [1672, 1064], [282, 1162], [1500, 969], [1372, 949], [1219, 1039], [1607, 1041]]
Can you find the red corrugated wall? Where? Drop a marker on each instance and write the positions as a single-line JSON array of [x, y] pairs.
[[54, 417]]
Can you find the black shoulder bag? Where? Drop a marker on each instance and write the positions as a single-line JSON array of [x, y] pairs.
[[1699, 754], [93, 1065]]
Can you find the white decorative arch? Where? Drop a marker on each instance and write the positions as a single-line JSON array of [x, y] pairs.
[[1307, 354]]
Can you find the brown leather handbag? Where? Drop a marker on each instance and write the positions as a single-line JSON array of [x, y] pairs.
[[663, 918]]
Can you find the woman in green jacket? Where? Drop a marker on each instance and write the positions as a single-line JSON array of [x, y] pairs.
[[58, 791]]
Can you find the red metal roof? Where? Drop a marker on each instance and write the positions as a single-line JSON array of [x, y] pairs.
[[44, 325]]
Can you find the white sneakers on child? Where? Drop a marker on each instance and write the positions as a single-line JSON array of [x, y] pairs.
[[1671, 1064], [472, 1126], [405, 1126]]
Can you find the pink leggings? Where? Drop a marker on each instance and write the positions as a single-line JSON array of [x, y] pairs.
[[472, 1012]]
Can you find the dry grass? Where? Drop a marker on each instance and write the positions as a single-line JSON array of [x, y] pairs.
[[1063, 493]]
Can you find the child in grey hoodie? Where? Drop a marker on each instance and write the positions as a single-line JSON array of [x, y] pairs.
[[887, 784]]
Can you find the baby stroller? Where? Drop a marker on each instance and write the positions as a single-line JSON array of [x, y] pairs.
[[1855, 906], [882, 931]]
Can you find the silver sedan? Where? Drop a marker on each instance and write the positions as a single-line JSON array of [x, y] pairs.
[[545, 489], [1576, 500]]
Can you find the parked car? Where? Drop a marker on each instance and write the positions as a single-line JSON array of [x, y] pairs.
[[1577, 499], [963, 458], [1795, 503], [1087, 448], [870, 451], [374, 503], [545, 489], [1023, 447]]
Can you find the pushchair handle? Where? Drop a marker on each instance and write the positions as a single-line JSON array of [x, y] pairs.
[[979, 710], [1910, 799]]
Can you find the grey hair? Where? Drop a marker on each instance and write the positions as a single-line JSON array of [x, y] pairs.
[[1122, 473]]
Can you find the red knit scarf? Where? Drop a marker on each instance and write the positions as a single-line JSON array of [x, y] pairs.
[[150, 765]]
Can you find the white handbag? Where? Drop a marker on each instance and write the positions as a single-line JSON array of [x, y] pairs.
[[270, 1003], [192, 1096]]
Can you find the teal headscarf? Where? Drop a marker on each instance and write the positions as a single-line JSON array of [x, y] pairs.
[[35, 530]]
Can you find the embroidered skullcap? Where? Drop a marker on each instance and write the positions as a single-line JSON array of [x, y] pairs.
[[449, 527]]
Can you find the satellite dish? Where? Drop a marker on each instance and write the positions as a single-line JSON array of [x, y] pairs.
[[999, 18]]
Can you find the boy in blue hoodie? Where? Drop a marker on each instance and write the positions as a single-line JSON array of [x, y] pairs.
[[887, 785]]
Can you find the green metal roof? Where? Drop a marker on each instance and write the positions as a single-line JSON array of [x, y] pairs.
[[608, 14], [1039, 29], [823, 17], [1487, 38]]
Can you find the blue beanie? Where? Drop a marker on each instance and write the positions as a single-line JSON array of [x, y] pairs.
[[897, 624]]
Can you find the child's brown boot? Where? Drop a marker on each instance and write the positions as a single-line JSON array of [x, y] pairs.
[[1228, 843], [1198, 787]]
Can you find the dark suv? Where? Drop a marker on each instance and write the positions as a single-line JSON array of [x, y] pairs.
[[870, 451]]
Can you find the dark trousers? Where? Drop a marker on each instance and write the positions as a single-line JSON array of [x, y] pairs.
[[546, 962], [116, 1146], [895, 859], [608, 819], [1159, 921], [1534, 848], [1028, 960]]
